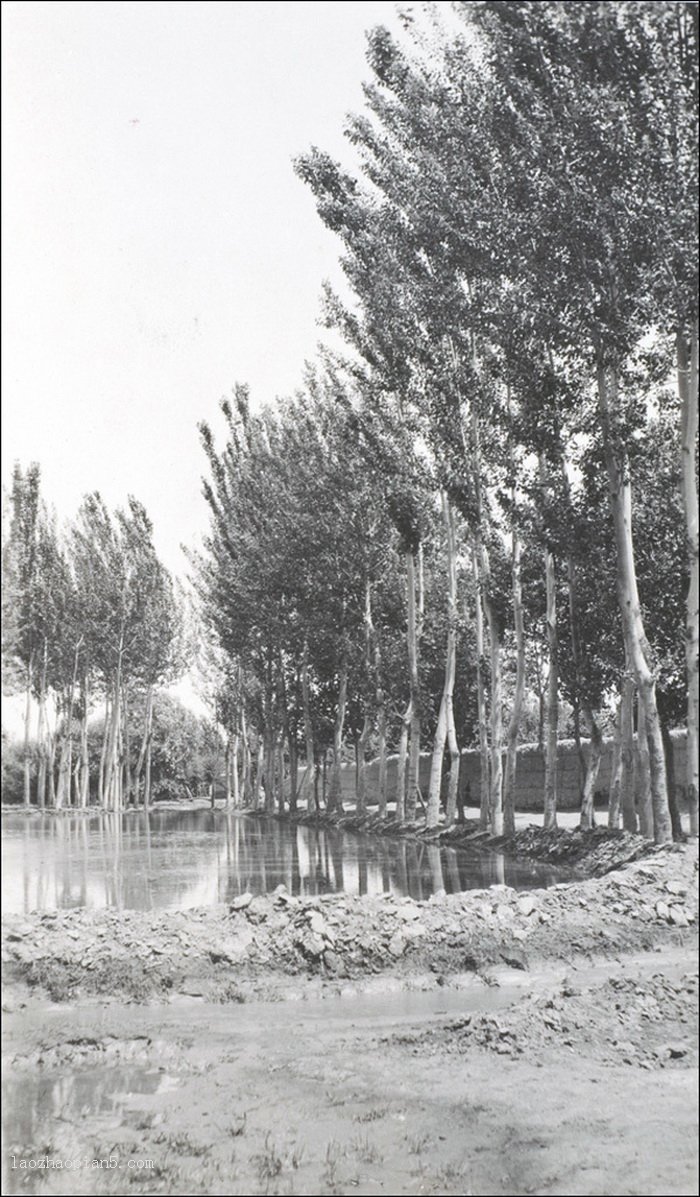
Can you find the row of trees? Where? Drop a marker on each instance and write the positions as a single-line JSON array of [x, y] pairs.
[[187, 755], [91, 620], [497, 470]]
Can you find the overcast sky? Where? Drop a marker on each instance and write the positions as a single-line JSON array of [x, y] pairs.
[[157, 244]]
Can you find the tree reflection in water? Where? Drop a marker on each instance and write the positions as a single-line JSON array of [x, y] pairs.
[[172, 859]]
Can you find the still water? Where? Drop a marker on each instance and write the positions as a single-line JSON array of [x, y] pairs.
[[171, 860]]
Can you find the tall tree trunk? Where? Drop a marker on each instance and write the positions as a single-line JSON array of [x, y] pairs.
[[446, 713], [455, 759], [401, 762], [228, 784], [482, 715], [309, 780], [65, 770], [246, 763], [382, 755], [645, 810], [27, 758], [615, 793], [627, 799], [687, 360], [234, 782], [595, 753], [269, 744], [361, 787], [413, 635], [519, 694], [128, 774], [84, 747], [42, 734], [671, 775], [636, 645], [112, 771], [293, 770], [361, 747], [552, 734], [141, 759], [101, 794], [51, 768], [496, 793], [259, 772], [280, 767], [335, 792]]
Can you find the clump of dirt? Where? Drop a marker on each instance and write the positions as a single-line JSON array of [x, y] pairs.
[[224, 952], [629, 1016]]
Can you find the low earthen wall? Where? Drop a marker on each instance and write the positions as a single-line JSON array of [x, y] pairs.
[[529, 784]]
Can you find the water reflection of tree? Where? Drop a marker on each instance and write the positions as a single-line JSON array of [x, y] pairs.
[[165, 859]]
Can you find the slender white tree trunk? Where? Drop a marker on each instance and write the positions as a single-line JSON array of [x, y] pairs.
[[627, 797], [595, 753], [687, 359], [308, 783], [27, 763], [643, 779], [519, 693], [413, 791], [335, 791], [401, 763], [445, 723], [84, 747], [614, 798], [636, 645], [482, 713], [551, 743]]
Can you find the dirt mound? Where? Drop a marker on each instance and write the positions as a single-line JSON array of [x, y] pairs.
[[630, 1018], [218, 951]]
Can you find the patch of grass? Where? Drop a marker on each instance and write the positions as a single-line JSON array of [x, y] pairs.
[[228, 994], [372, 1115], [296, 1155], [417, 1143], [334, 1154], [451, 1176], [368, 1152], [268, 1163]]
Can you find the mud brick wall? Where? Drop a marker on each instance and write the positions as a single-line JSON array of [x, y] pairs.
[[529, 776]]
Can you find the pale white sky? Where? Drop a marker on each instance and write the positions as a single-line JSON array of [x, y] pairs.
[[157, 244]]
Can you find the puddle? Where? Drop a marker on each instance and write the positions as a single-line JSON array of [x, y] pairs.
[[33, 1101]]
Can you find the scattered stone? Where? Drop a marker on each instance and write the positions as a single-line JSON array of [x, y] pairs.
[[678, 916], [397, 944], [242, 901], [317, 923], [677, 1050], [527, 905], [408, 913], [514, 957]]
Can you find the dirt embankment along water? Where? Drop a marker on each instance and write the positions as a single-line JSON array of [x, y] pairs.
[[484, 1042], [256, 942]]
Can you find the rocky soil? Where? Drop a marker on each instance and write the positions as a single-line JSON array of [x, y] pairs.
[[490, 1042], [257, 942]]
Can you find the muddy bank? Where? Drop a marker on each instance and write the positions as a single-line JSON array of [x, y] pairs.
[[572, 1079], [257, 944], [592, 853]]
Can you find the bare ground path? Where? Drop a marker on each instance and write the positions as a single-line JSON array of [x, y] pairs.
[[574, 1072]]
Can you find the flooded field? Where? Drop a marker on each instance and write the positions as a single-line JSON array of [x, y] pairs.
[[175, 860]]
